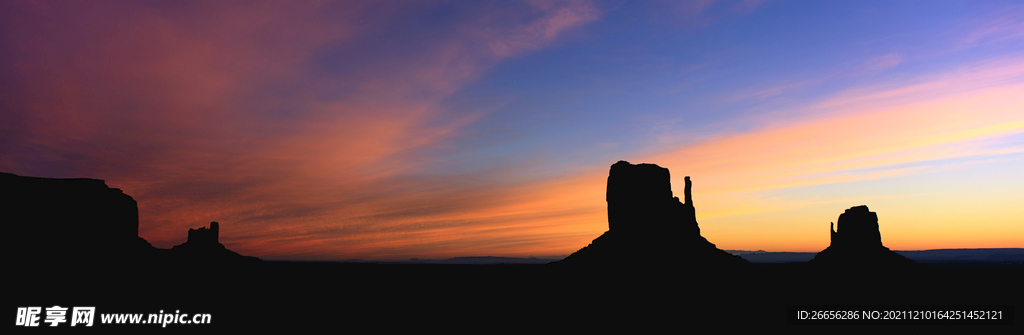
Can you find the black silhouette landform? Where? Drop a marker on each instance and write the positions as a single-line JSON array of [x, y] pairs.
[[648, 225], [97, 226], [74, 242], [55, 218], [204, 245], [858, 244]]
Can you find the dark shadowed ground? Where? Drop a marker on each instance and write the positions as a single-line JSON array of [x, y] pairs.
[[386, 297]]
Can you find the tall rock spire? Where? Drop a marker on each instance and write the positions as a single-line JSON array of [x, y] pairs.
[[688, 199]]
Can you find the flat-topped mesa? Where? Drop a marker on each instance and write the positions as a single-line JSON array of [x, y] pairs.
[[640, 199], [648, 226], [857, 244], [635, 192], [51, 218], [858, 228], [84, 223]]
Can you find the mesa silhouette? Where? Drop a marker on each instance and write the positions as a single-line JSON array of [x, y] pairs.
[[647, 225], [858, 244], [56, 220], [203, 245]]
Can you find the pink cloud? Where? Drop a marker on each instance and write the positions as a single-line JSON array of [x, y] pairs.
[[867, 133], [1007, 24], [215, 111], [556, 18]]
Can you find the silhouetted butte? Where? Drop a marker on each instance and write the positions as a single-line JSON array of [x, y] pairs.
[[203, 245], [647, 225], [857, 244], [61, 223]]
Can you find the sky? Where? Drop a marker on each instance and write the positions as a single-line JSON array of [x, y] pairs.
[[386, 130]]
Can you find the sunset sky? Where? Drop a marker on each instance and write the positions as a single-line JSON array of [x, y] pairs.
[[386, 130]]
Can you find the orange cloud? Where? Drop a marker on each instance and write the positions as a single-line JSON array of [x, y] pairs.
[[867, 129], [863, 134], [260, 117], [229, 112]]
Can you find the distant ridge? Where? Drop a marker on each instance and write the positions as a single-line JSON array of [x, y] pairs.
[[997, 255], [980, 255]]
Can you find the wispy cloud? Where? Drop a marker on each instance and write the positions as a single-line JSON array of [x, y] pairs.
[[776, 90], [1007, 24], [867, 133], [556, 18], [325, 130], [224, 111]]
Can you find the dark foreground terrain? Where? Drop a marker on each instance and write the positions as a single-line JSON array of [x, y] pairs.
[[360, 297]]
